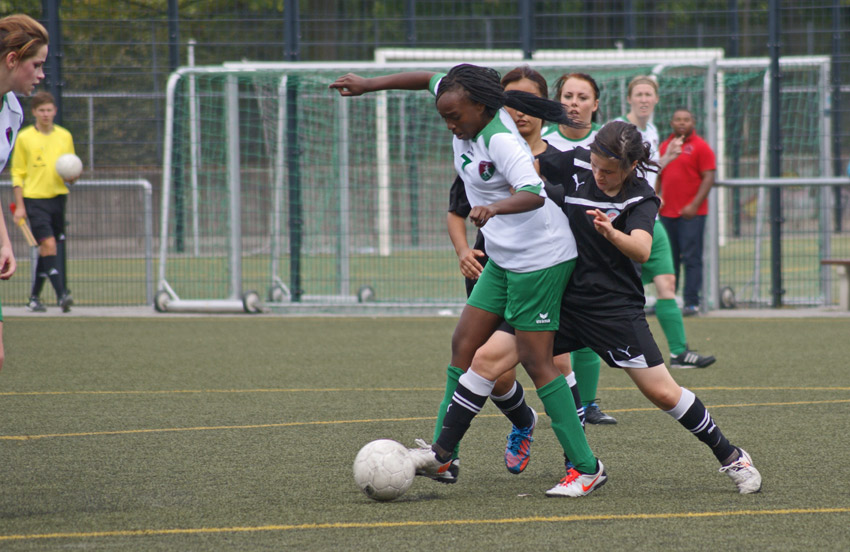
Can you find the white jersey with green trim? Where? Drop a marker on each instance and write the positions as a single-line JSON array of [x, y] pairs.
[[11, 119], [649, 134], [552, 134], [493, 165]]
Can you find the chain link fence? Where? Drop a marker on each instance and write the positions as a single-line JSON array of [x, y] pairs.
[[116, 58]]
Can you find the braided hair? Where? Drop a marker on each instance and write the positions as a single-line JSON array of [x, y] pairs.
[[624, 143], [481, 85]]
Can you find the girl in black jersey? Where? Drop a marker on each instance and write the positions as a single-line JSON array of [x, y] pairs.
[[612, 214]]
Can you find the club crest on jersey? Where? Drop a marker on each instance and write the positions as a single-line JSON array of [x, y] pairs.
[[612, 214], [486, 170]]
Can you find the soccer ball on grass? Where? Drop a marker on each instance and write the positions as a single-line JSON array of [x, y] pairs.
[[384, 470]]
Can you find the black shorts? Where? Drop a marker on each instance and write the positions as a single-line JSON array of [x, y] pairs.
[[46, 216], [622, 339]]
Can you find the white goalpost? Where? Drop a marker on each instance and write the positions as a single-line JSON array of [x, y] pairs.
[[333, 195]]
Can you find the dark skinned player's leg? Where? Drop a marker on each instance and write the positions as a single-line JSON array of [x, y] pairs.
[[535, 354], [473, 329]]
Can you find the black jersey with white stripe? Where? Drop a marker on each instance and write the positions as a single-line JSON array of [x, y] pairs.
[[604, 278]]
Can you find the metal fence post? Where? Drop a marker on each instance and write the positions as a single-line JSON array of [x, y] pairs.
[[775, 157]]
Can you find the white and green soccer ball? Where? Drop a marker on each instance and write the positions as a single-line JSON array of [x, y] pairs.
[[384, 469]]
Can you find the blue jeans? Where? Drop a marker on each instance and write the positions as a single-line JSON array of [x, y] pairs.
[[686, 241]]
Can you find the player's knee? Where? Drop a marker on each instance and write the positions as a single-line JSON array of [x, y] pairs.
[[488, 363], [665, 286], [664, 397]]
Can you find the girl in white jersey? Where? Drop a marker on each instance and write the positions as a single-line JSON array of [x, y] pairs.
[[579, 94], [23, 50], [531, 249]]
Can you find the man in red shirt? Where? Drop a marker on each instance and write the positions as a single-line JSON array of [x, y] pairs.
[[683, 186]]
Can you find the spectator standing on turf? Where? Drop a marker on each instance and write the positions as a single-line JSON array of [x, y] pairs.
[[41, 194], [642, 98], [23, 50], [683, 186]]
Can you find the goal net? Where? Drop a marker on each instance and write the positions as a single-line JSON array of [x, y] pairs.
[[277, 184]]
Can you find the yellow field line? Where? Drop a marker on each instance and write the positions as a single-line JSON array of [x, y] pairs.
[[395, 524], [378, 389], [363, 421]]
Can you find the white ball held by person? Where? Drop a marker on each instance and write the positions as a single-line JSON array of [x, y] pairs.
[[69, 167]]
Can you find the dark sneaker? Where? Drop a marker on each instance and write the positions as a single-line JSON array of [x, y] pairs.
[[690, 310], [35, 305], [593, 415], [690, 359], [66, 301]]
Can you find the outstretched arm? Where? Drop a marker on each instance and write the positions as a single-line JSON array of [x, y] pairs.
[[355, 85]]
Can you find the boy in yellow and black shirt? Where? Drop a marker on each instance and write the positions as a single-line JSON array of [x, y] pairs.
[[41, 194]]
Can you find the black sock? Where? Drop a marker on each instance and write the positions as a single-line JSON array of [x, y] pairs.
[[577, 399], [463, 408], [38, 281], [513, 406], [698, 421], [51, 266]]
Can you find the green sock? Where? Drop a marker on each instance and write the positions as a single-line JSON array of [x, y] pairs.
[[452, 375], [559, 406], [585, 365], [670, 317]]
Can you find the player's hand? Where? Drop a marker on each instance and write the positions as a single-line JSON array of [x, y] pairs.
[[8, 265], [20, 212], [480, 214], [469, 265], [601, 222], [350, 85]]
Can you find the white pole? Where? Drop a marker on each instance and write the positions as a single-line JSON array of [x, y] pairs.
[[762, 193], [194, 150], [344, 247], [167, 148], [234, 185], [383, 160], [277, 198]]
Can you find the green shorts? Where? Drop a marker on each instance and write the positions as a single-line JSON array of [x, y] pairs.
[[660, 257], [528, 301]]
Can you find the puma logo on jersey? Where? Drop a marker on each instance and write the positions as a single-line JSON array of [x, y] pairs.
[[578, 184], [486, 170], [543, 318]]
